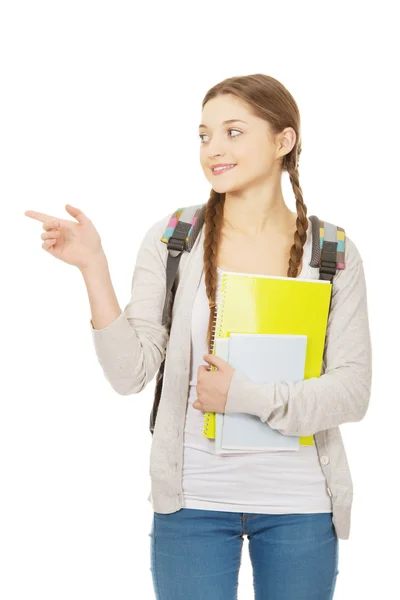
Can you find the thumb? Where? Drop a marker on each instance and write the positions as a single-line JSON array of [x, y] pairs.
[[77, 214], [214, 360]]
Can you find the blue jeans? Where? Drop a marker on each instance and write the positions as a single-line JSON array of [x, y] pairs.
[[195, 555]]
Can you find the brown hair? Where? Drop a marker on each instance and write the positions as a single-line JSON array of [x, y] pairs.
[[271, 101]]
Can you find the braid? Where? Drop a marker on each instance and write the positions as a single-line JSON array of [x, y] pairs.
[[300, 235], [213, 217]]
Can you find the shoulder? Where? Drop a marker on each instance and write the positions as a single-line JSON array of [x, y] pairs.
[[157, 229], [351, 253], [151, 245]]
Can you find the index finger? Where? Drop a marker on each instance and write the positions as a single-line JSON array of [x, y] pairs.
[[39, 216]]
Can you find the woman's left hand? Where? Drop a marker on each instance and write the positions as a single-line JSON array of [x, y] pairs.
[[212, 386]]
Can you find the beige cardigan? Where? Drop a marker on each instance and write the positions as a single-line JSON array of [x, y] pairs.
[[132, 347]]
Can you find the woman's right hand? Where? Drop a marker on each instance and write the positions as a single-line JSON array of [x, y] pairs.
[[77, 244]]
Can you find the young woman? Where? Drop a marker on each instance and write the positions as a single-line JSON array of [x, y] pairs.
[[293, 506]]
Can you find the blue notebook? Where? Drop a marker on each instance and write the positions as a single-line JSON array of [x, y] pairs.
[[264, 358]]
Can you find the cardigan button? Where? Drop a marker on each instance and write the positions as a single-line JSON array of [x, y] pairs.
[[324, 460]]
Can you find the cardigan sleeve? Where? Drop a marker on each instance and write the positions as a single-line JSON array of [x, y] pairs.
[[130, 350], [342, 392]]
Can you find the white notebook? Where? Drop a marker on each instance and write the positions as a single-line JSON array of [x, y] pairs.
[[264, 358]]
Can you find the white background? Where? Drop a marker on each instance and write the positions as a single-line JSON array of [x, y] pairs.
[[100, 106]]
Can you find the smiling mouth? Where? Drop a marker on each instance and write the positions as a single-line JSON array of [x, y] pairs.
[[223, 169]]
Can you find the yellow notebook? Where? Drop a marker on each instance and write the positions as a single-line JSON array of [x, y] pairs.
[[247, 303]]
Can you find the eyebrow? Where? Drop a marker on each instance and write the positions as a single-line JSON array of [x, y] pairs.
[[225, 122]]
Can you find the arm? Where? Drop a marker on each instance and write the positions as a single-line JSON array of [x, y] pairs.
[[102, 299], [131, 346], [342, 393]]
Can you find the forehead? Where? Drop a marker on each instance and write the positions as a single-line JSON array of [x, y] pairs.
[[223, 110]]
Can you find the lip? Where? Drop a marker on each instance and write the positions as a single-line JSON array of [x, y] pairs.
[[221, 165], [216, 173]]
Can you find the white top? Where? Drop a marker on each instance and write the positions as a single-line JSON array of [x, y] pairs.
[[258, 482]]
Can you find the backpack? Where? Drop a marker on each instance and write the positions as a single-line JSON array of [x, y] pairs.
[[327, 253]]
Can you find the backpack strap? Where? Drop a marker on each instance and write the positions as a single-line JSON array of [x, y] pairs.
[[328, 248], [180, 235]]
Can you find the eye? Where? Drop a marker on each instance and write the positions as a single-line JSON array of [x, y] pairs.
[[202, 134]]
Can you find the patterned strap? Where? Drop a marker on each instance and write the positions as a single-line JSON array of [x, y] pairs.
[[193, 215], [329, 237], [179, 235]]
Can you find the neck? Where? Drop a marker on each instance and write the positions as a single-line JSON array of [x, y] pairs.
[[251, 215]]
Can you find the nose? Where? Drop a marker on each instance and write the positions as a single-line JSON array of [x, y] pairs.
[[214, 155], [214, 148]]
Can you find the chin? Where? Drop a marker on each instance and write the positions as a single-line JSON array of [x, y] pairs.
[[223, 189]]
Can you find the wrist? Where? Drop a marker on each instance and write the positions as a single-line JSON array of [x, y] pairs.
[[95, 262]]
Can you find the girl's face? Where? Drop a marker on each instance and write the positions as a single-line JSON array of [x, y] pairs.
[[245, 141]]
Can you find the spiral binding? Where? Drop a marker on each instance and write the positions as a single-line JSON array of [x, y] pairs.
[[216, 331]]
